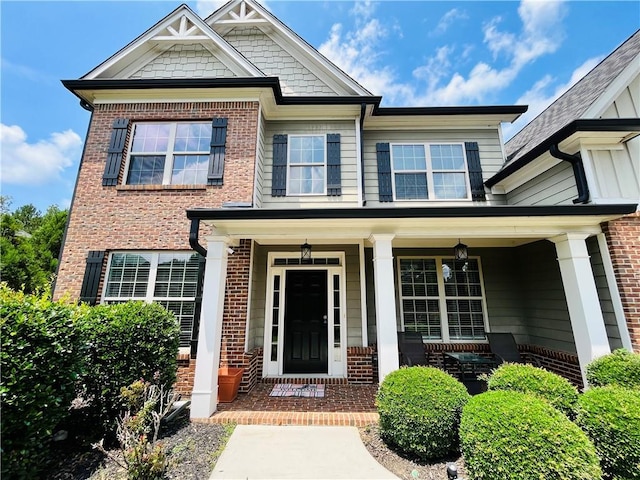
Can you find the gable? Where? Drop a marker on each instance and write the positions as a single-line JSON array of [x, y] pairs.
[[158, 53], [301, 61], [185, 60], [269, 56]]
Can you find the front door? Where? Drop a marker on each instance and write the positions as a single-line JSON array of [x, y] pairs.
[[305, 322]]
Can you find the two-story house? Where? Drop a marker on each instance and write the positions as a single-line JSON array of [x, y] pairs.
[[236, 176]]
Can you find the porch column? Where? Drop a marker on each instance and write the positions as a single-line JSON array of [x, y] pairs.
[[587, 321], [386, 327], [204, 398]]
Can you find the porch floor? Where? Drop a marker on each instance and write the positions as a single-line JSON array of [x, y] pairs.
[[351, 405]]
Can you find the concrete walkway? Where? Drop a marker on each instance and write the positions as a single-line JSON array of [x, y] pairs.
[[297, 452]]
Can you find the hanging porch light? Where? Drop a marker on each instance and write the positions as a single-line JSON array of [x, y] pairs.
[[305, 253], [460, 251]]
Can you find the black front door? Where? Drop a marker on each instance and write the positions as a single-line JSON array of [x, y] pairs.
[[305, 322]]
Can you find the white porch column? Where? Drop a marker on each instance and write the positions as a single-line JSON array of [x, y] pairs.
[[587, 321], [386, 327], [204, 398]]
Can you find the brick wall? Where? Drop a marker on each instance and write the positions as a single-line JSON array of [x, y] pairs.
[[360, 365], [185, 375], [623, 239], [150, 217]]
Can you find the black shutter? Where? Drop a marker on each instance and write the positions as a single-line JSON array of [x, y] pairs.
[[384, 172], [195, 329], [115, 152], [475, 171], [217, 152], [92, 272], [334, 188], [279, 175]]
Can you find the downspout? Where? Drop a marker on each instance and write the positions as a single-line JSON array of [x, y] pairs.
[[578, 172], [363, 109], [193, 237]]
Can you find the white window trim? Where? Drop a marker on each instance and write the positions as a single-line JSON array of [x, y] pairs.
[[444, 319], [151, 282], [289, 165], [429, 173], [168, 155]]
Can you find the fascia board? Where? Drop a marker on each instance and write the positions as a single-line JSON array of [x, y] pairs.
[[614, 89], [132, 47]]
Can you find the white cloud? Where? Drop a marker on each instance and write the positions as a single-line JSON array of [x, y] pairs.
[[543, 93], [25, 163], [359, 52], [447, 20]]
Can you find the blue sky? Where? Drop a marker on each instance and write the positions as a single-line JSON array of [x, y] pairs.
[[414, 53]]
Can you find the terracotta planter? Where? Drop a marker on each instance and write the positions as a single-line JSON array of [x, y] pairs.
[[229, 383]]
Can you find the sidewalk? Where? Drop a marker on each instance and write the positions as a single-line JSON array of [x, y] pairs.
[[297, 452]]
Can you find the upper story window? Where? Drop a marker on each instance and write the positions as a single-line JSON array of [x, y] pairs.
[[307, 165], [169, 154], [429, 172]]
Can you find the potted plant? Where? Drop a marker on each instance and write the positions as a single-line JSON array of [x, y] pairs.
[[229, 383]]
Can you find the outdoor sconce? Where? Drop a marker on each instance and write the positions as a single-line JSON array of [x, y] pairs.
[[305, 253], [460, 251]]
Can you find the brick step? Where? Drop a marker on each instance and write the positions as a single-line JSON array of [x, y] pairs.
[[325, 381], [244, 417]]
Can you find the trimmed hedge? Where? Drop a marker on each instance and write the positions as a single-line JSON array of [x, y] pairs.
[[126, 342], [611, 418], [41, 358], [507, 434], [537, 381], [618, 368], [419, 411]]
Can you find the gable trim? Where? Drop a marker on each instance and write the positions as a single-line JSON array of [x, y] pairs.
[[584, 125]]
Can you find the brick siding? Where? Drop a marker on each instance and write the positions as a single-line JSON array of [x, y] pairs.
[[150, 217], [623, 239]]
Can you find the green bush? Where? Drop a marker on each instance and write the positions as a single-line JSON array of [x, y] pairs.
[[419, 411], [41, 358], [506, 434], [611, 418], [618, 368], [537, 381], [126, 342]]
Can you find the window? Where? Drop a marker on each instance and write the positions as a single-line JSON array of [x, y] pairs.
[[169, 154], [442, 298], [170, 279], [307, 165], [429, 172]]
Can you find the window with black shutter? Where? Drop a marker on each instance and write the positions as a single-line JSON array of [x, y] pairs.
[[217, 153], [91, 280], [334, 187], [475, 171], [279, 175], [384, 172], [115, 152]]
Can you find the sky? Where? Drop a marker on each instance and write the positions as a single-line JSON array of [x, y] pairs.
[[413, 53]]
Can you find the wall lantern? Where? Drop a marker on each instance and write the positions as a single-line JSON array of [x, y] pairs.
[[460, 251], [305, 253]]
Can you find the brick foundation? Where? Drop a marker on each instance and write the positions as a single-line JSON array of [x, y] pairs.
[[623, 240], [360, 365], [185, 375]]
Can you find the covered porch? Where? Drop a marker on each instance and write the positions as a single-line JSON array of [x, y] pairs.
[[541, 273]]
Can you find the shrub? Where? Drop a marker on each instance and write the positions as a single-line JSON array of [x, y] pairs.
[[611, 418], [618, 368], [419, 411], [41, 359], [537, 381], [519, 436], [126, 342]]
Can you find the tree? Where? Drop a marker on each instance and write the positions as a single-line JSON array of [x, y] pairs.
[[30, 244]]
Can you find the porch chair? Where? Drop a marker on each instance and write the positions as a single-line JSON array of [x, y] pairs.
[[504, 347], [411, 349]]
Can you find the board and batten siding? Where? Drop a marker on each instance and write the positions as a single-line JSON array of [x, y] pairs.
[[556, 186], [491, 158], [348, 164], [259, 291], [604, 294]]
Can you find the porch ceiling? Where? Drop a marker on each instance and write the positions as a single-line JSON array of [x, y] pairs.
[[481, 226]]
